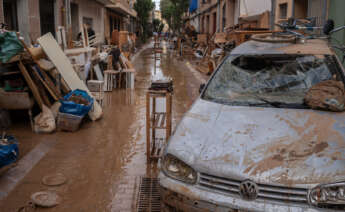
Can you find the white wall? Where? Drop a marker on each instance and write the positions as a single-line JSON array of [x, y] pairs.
[[94, 10], [195, 22], [254, 7]]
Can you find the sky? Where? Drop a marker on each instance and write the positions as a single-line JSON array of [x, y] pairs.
[[157, 4]]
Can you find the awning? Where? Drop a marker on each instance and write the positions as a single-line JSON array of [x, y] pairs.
[[193, 5], [118, 7]]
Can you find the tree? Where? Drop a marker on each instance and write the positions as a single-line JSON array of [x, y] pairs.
[[158, 26], [172, 12], [143, 8], [156, 22]]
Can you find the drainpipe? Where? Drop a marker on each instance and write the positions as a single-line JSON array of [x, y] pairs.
[[273, 13], [218, 16], [1, 12], [324, 12], [67, 14]]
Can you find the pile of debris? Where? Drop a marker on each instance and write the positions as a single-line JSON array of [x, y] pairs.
[[49, 75], [206, 51]]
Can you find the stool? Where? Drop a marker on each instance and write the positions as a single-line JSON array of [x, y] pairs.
[[157, 120], [130, 77], [96, 88], [110, 80]]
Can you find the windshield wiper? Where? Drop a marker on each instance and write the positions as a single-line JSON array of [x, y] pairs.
[[278, 104], [274, 104]]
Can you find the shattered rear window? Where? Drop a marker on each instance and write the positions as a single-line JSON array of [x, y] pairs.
[[269, 79]]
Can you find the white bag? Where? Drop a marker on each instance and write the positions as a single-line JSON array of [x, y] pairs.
[[45, 121]]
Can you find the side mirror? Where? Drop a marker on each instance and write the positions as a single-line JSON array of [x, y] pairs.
[[201, 88]]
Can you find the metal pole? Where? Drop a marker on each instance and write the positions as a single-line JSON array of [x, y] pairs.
[[218, 16], [273, 13]]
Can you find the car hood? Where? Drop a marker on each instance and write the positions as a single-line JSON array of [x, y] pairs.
[[267, 145]]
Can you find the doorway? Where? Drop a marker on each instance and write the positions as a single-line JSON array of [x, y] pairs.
[[47, 16], [214, 23], [75, 20], [10, 14]]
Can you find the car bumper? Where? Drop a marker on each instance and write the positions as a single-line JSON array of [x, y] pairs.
[[181, 196]]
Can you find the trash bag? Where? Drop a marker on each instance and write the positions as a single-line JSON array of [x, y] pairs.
[[55, 109], [9, 151], [9, 46], [77, 103], [327, 95], [45, 121]]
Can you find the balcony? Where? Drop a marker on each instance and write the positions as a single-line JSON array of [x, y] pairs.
[[124, 7]]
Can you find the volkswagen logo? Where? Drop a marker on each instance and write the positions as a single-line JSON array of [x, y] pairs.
[[248, 190]]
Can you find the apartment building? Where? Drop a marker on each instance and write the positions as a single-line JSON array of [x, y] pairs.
[[33, 18], [300, 9], [120, 16], [217, 15]]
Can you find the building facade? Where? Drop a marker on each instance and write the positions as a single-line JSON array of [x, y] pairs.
[[217, 15], [33, 18], [300, 9]]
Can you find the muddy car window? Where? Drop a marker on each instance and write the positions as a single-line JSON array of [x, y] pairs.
[[268, 80]]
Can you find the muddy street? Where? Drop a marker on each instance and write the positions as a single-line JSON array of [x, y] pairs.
[[103, 160]]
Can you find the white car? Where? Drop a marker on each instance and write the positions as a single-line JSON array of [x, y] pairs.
[[250, 143]]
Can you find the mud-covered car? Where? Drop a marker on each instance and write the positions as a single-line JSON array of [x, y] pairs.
[[251, 143]]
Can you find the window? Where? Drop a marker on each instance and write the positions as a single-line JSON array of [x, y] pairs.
[[283, 10], [10, 14], [88, 21]]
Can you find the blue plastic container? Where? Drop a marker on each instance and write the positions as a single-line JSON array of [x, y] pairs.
[[74, 108], [9, 153]]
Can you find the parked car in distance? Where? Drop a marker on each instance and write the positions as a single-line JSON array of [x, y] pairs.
[[250, 143]]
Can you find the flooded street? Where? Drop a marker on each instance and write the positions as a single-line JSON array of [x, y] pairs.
[[103, 160]]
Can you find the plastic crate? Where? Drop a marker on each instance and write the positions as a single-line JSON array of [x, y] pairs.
[[68, 122], [95, 85]]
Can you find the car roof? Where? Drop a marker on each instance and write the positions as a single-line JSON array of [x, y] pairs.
[[311, 46]]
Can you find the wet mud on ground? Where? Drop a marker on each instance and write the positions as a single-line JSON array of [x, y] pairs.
[[103, 160]]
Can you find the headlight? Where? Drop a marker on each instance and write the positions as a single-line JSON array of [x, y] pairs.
[[328, 196], [178, 170]]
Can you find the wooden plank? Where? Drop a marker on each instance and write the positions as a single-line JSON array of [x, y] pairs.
[[168, 112], [51, 84], [98, 72], [50, 88], [64, 66], [45, 64], [148, 126], [42, 91], [31, 84]]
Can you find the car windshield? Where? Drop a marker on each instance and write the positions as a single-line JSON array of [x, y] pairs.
[[269, 80]]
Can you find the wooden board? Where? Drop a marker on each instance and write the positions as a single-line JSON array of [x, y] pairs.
[[64, 66], [48, 84], [98, 72], [45, 64], [220, 38], [31, 84], [202, 38]]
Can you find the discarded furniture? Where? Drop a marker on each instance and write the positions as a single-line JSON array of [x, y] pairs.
[[68, 122], [241, 36], [97, 90], [157, 120], [110, 80], [129, 77], [64, 66]]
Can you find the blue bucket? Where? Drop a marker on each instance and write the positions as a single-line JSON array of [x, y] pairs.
[[73, 108], [9, 153]]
